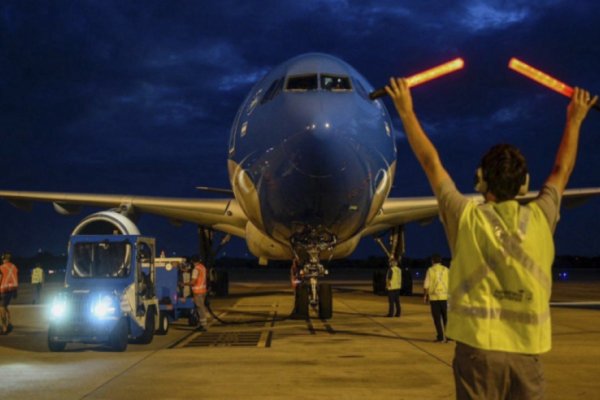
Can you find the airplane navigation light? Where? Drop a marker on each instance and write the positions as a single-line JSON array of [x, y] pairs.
[[543, 78], [425, 76]]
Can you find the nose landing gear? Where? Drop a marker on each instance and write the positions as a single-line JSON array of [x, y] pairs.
[[310, 294]]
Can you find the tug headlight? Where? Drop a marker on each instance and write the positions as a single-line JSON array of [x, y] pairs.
[[105, 306], [59, 307]]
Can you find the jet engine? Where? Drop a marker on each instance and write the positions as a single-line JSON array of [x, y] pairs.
[[106, 223]]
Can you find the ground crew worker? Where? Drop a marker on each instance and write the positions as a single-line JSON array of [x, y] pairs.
[[435, 288], [9, 283], [198, 283], [500, 277], [37, 281], [393, 284]]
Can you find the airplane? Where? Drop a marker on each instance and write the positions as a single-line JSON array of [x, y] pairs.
[[311, 162]]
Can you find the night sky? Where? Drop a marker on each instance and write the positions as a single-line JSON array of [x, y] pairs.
[[137, 97]]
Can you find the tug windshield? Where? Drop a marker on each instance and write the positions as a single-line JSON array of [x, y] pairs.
[[101, 260]]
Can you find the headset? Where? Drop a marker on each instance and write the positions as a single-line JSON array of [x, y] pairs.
[[481, 185]]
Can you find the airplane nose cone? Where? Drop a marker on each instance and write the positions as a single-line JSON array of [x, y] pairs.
[[319, 149]]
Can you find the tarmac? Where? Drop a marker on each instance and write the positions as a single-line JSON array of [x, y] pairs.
[[260, 353]]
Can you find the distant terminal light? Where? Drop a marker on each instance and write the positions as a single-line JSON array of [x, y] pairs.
[[425, 76], [563, 276], [540, 77]]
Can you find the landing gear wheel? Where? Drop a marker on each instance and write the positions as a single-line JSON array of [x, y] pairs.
[[379, 282], [163, 324], [118, 337], [54, 345], [193, 319], [221, 283], [301, 302], [148, 334], [407, 283], [325, 301]]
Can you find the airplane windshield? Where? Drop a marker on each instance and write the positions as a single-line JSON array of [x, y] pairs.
[[302, 83], [335, 83], [101, 260]]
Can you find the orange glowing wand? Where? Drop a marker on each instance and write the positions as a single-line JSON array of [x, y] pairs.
[[543, 79], [425, 76]]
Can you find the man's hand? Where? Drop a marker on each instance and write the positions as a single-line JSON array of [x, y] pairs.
[[581, 102], [399, 92]]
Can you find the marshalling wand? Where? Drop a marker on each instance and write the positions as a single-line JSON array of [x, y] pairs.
[[543, 78], [425, 76]]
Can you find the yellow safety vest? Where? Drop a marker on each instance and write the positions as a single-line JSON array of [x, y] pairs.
[[437, 280], [394, 278], [500, 279], [37, 276]]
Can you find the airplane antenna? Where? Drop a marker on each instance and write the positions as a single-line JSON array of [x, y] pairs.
[[215, 190]]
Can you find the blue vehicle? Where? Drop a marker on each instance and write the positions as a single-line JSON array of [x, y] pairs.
[[175, 301], [108, 297]]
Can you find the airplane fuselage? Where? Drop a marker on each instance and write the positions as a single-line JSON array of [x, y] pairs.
[[311, 157]]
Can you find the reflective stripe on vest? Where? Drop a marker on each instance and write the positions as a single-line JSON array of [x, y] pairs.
[[499, 294], [199, 286], [512, 243], [37, 276], [438, 282], [394, 278], [9, 278]]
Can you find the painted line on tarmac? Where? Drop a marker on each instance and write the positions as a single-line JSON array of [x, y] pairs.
[[267, 336], [182, 342], [409, 341]]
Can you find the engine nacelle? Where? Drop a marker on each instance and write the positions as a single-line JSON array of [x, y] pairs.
[[106, 223]]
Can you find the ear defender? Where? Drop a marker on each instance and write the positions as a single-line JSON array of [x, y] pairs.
[[480, 183], [524, 187]]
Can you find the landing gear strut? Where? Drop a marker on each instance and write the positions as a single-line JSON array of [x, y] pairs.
[[219, 279], [310, 293], [394, 252]]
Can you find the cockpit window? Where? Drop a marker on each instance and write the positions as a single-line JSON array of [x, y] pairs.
[[360, 89], [272, 91], [302, 83], [335, 83]]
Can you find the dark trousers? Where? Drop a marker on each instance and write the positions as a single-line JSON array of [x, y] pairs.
[[394, 302], [485, 374], [439, 312], [37, 293]]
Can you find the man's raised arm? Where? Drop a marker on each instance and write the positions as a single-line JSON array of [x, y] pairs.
[[420, 144], [580, 104]]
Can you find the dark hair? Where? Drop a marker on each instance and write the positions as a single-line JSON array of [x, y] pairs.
[[436, 258], [196, 259], [504, 169]]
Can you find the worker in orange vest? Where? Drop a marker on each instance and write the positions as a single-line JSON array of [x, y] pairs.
[[9, 283], [199, 289]]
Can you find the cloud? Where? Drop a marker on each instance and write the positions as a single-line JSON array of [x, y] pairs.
[[480, 16]]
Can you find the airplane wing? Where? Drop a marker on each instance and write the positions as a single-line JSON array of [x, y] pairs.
[[399, 211], [221, 214], [226, 215]]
